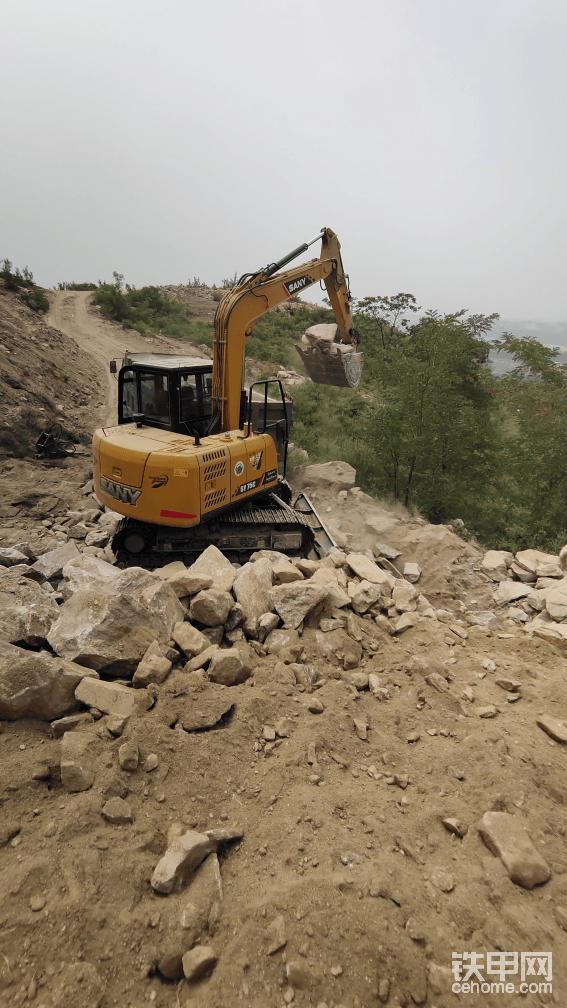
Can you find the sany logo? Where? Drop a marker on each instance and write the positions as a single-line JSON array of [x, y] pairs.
[[121, 493], [292, 286]]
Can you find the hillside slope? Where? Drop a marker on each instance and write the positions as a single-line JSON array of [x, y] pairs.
[[332, 761], [345, 760]]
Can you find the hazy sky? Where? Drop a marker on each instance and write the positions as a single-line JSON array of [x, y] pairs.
[[173, 139]]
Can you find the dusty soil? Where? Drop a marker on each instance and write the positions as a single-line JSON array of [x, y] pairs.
[[372, 888]]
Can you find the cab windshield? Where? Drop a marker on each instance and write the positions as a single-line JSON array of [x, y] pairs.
[[147, 393], [195, 396], [154, 397]]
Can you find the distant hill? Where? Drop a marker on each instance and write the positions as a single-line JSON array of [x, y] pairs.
[[552, 334]]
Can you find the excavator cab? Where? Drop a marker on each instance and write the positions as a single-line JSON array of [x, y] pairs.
[[169, 391], [174, 393]]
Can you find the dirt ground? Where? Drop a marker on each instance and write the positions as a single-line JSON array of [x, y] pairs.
[[362, 890]]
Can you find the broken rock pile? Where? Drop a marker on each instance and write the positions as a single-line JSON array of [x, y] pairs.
[[293, 781], [532, 590]]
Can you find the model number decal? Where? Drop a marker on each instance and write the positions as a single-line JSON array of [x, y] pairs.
[[120, 493], [293, 286], [245, 487], [267, 477]]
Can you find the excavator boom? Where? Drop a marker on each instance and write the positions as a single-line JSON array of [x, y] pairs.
[[255, 295]]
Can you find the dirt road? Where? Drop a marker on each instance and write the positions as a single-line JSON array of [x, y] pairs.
[[72, 313]]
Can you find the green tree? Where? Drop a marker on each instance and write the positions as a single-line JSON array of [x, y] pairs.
[[431, 427], [533, 396], [382, 321], [22, 282]]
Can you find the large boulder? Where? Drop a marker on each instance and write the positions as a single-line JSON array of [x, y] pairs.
[[337, 596], [153, 668], [113, 697], [284, 572], [509, 591], [556, 601], [191, 641], [51, 564], [35, 684], [211, 607], [84, 572], [367, 570], [294, 601], [329, 477], [495, 564], [506, 836], [11, 555], [182, 580], [323, 333], [228, 667], [405, 596], [214, 565], [539, 564], [111, 624], [554, 633], [27, 612], [252, 587], [363, 595]]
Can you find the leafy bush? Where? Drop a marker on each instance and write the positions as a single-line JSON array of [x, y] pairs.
[[77, 286], [151, 314], [36, 299], [24, 285]]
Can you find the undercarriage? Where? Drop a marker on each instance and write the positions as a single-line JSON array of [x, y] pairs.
[[270, 524]]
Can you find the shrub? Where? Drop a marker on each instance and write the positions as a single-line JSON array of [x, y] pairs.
[[23, 284], [150, 313], [77, 286]]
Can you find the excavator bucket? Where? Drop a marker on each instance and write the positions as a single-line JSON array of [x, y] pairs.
[[328, 362], [324, 368]]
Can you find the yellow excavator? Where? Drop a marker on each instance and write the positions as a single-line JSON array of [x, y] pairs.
[[194, 457]]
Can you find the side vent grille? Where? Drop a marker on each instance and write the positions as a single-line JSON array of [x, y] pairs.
[[214, 499], [210, 456], [214, 470]]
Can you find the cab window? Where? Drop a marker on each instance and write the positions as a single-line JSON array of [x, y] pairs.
[[195, 396], [154, 397], [129, 394]]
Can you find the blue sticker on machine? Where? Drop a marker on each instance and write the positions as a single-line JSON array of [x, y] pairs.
[[293, 286]]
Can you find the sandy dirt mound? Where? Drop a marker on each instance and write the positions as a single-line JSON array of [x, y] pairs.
[[346, 887]]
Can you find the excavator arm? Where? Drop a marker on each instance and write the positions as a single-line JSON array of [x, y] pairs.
[[255, 295]]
